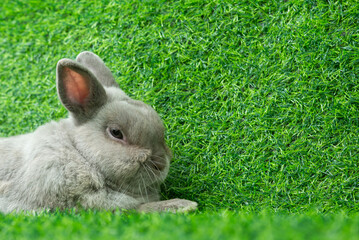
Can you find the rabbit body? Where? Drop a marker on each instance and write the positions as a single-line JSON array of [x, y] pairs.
[[109, 153]]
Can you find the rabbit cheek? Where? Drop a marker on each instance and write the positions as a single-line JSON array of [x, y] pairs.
[[120, 173], [125, 171]]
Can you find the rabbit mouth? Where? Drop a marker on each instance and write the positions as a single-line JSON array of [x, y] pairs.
[[156, 165]]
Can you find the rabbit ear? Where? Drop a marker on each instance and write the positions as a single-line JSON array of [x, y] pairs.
[[78, 89], [97, 67]]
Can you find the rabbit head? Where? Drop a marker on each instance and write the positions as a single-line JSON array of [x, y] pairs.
[[123, 138]]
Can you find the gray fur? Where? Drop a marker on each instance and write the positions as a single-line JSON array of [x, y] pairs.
[[76, 161], [97, 66]]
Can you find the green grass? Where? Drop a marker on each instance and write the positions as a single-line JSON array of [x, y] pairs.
[[260, 100], [217, 225]]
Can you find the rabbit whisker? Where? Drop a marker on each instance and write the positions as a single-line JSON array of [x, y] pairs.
[[140, 189], [149, 170], [145, 188]]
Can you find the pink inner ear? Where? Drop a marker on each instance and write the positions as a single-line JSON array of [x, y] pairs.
[[77, 88]]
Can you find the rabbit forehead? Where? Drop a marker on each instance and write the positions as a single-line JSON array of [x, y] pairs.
[[136, 119]]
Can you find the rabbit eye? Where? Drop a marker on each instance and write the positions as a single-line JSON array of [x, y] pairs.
[[116, 133]]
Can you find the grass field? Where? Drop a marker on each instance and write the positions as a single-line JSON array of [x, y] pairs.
[[260, 100], [208, 225]]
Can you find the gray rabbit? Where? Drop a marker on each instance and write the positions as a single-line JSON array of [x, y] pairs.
[[109, 153]]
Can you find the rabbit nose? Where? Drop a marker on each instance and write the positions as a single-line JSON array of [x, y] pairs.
[[143, 156]]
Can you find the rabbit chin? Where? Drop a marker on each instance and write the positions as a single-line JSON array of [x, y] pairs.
[[143, 184], [132, 174], [133, 177]]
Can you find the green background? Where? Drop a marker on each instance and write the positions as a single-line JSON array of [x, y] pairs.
[[260, 100]]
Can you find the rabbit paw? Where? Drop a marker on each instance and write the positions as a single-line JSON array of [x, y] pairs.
[[174, 205]]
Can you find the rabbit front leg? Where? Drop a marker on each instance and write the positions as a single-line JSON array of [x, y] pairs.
[[107, 199], [173, 205]]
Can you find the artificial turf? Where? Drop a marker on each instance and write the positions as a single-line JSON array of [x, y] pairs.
[[260, 98], [208, 225]]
